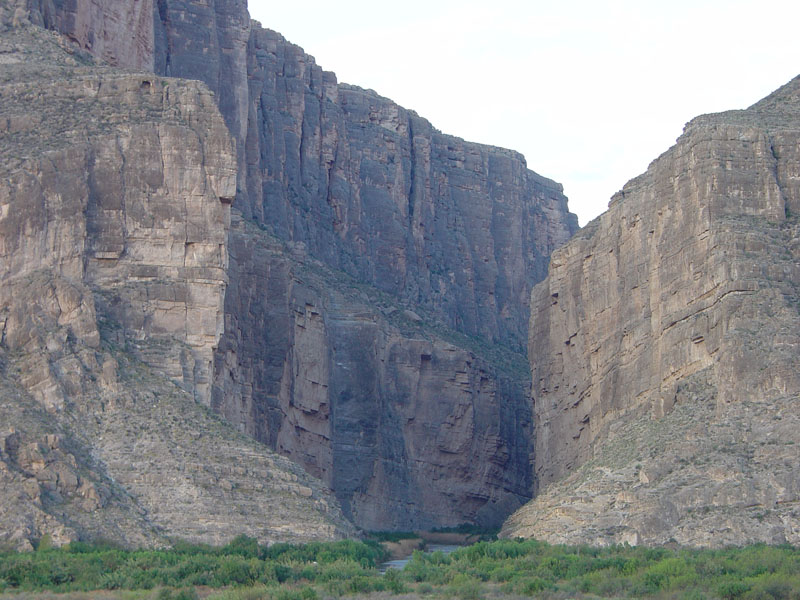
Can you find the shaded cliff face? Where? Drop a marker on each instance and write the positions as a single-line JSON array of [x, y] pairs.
[[409, 428], [114, 210], [458, 228], [453, 230], [372, 189], [664, 348], [118, 33]]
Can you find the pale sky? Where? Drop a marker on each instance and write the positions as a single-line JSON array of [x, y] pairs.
[[589, 91]]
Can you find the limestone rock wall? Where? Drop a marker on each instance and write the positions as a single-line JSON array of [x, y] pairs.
[[454, 230], [119, 33], [372, 189], [684, 292], [115, 192], [130, 197]]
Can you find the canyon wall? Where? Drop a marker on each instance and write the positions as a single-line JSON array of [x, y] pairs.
[[118, 33], [369, 187], [459, 229], [664, 348], [115, 192], [409, 424], [452, 233]]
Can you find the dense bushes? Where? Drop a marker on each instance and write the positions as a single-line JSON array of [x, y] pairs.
[[531, 568], [308, 572], [243, 562]]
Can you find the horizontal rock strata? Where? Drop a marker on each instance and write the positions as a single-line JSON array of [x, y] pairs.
[[115, 192], [664, 348]]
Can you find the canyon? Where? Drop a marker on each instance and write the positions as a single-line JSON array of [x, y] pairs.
[[239, 296], [220, 221]]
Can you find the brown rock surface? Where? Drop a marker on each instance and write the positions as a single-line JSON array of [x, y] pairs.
[[126, 181], [664, 347], [114, 208]]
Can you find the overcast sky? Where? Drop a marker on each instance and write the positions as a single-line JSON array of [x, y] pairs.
[[589, 91]]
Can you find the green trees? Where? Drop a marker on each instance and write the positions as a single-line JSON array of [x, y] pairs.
[[244, 570]]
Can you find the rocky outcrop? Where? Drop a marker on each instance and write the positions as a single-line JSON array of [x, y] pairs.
[[118, 33], [115, 194], [664, 348], [127, 182]]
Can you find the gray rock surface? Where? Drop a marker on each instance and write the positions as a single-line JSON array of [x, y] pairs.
[[664, 347], [118, 33], [453, 230], [459, 229], [411, 424]]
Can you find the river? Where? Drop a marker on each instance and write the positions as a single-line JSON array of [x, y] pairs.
[[400, 563]]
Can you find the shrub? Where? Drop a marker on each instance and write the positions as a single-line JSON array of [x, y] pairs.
[[532, 586], [243, 546], [730, 590], [424, 589], [393, 583], [182, 594]]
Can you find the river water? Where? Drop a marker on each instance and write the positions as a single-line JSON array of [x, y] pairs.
[[400, 563]]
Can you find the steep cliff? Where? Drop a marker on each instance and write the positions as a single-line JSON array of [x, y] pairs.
[[118, 33], [664, 348], [457, 228], [411, 424], [115, 193], [454, 232], [372, 189]]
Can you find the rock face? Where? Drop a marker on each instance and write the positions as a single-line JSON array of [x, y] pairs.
[[664, 348], [445, 228], [127, 182], [450, 234], [456, 228], [369, 187], [115, 194], [408, 426], [118, 33]]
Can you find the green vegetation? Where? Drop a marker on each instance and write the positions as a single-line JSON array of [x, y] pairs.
[[245, 570]]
